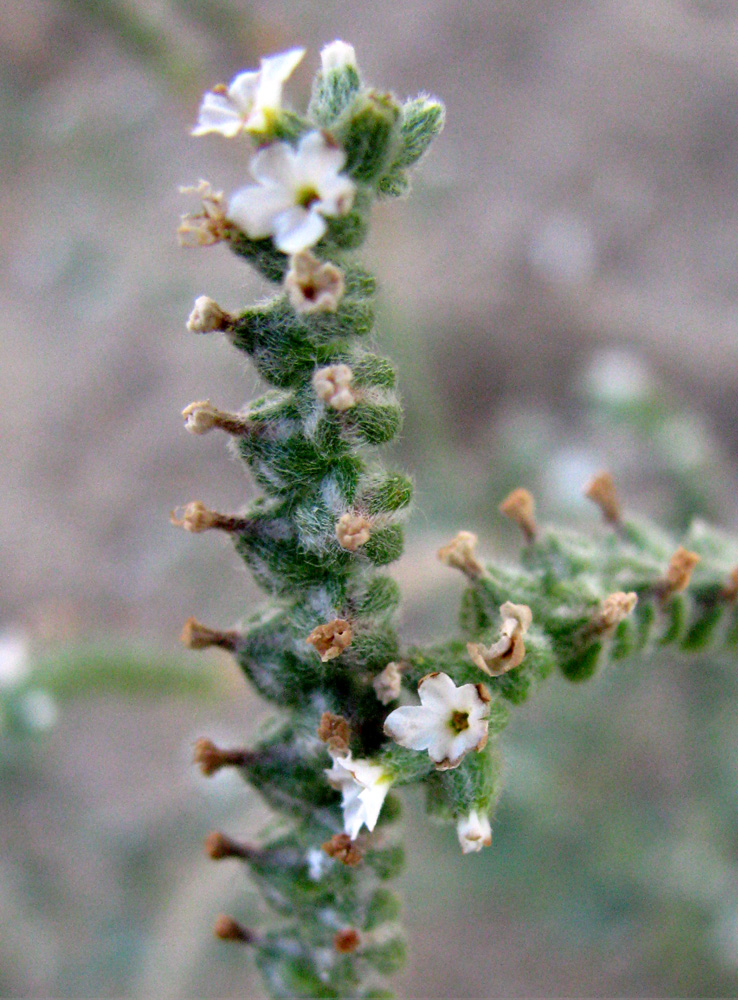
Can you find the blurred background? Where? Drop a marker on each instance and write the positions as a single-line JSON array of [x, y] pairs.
[[560, 295]]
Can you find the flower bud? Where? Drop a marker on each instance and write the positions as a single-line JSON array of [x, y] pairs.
[[332, 385], [474, 832], [353, 531], [337, 56], [208, 317]]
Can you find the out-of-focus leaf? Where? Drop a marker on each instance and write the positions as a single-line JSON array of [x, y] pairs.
[[78, 671]]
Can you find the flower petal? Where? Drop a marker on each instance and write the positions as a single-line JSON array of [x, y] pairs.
[[363, 788], [254, 209], [217, 114], [243, 89], [319, 157], [275, 165], [437, 692], [467, 700], [336, 194], [297, 229], [274, 71], [412, 726]]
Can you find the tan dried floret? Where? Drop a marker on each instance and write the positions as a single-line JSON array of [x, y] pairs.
[[509, 650], [353, 531], [614, 609], [228, 929], [335, 732], [211, 758], [346, 940], [387, 684], [678, 572], [218, 846], [459, 553], [730, 591], [209, 225], [197, 636], [343, 849], [330, 639], [601, 490], [201, 417], [313, 286], [194, 517], [520, 507]]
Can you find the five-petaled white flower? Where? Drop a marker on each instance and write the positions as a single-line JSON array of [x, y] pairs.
[[448, 723], [474, 832], [296, 190], [250, 100], [363, 786]]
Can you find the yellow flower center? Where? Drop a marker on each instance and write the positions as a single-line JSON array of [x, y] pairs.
[[306, 196], [459, 721]]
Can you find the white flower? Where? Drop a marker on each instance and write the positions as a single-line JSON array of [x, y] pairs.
[[474, 832], [250, 99], [337, 56], [296, 190], [363, 786], [448, 723]]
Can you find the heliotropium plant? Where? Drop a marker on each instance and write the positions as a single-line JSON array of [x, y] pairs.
[[362, 713]]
